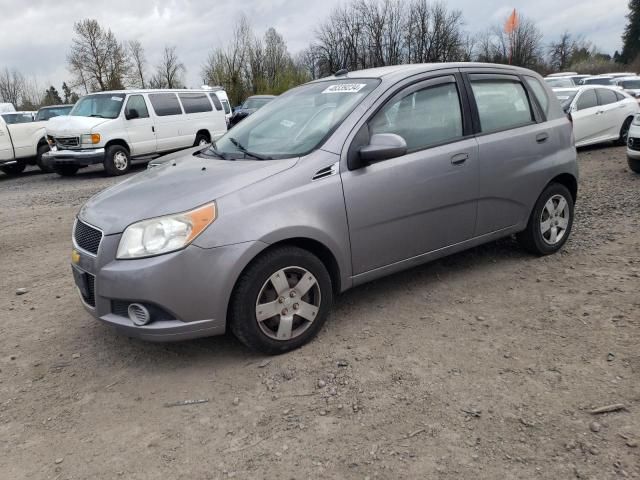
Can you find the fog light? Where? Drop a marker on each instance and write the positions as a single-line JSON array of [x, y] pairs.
[[138, 314]]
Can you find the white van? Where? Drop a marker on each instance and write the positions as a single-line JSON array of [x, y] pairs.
[[220, 99], [114, 128], [21, 143]]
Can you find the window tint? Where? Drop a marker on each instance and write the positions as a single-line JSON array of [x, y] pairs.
[[423, 118], [195, 102], [137, 103], [502, 104], [587, 100], [606, 96], [216, 101], [227, 108], [165, 104], [539, 92]]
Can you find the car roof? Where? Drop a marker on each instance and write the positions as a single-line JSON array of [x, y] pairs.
[[151, 90], [397, 72], [57, 106], [630, 77]]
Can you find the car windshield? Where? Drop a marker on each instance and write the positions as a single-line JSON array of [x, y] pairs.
[[597, 81], [566, 97], [630, 84], [559, 82], [255, 103], [295, 123], [12, 118], [103, 105], [50, 112]]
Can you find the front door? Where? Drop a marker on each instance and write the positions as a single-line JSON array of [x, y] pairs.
[[140, 126], [422, 201]]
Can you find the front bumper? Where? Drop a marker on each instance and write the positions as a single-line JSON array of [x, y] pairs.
[[193, 286], [79, 158]]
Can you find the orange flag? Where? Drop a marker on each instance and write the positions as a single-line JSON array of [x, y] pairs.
[[512, 23]]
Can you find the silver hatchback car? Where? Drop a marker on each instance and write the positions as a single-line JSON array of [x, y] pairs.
[[335, 183]]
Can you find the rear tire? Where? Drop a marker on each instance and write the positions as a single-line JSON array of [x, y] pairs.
[[624, 132], [42, 149], [634, 164], [66, 170], [550, 222], [201, 140], [117, 160], [14, 169], [303, 310]]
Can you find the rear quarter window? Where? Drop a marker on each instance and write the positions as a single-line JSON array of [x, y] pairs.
[[539, 92], [165, 104], [195, 102]]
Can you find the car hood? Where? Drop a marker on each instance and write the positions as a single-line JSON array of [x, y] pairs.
[[67, 125], [176, 186]]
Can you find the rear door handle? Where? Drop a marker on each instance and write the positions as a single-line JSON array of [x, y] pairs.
[[459, 158], [542, 137]]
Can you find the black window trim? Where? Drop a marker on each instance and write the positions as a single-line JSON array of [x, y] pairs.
[[483, 75]]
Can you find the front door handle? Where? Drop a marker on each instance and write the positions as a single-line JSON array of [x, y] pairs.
[[459, 158], [542, 137]]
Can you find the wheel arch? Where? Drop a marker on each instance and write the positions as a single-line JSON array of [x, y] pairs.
[[118, 141], [568, 181], [205, 132]]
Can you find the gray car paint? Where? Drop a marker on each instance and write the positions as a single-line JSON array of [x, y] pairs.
[[374, 221]]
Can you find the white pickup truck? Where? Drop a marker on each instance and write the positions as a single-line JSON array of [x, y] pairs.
[[22, 144]]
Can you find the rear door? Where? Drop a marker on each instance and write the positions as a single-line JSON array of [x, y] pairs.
[[588, 124], [614, 112], [513, 138], [139, 125]]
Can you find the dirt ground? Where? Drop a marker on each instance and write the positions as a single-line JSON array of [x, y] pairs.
[[482, 365]]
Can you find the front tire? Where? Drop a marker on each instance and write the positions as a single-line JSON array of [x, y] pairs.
[[634, 164], [624, 132], [281, 300], [117, 160], [66, 170], [15, 169], [550, 222], [42, 149]]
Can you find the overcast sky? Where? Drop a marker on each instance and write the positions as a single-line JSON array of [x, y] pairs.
[[35, 34]]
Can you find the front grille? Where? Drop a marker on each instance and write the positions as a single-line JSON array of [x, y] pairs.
[[67, 142], [90, 297], [634, 143], [87, 238]]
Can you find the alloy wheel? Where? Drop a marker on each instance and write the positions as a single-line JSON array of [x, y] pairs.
[[554, 220]]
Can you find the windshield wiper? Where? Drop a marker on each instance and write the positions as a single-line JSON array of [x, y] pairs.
[[215, 151], [247, 152]]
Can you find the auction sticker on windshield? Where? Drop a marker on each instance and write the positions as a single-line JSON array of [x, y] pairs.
[[345, 88]]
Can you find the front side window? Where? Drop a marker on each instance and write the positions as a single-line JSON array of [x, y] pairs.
[[195, 102], [165, 104], [295, 123], [101, 105], [606, 97], [423, 118], [539, 92], [587, 99], [502, 104], [137, 103]]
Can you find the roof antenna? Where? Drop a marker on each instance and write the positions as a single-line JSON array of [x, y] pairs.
[[341, 72]]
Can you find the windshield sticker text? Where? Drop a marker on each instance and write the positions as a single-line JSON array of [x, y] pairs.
[[345, 88]]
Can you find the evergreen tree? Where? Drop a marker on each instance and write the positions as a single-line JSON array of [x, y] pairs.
[[51, 96], [631, 35]]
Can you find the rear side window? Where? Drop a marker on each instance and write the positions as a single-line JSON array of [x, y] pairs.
[[165, 104], [216, 101], [195, 102], [227, 108], [539, 92], [137, 103], [423, 118], [502, 104], [619, 96], [606, 97], [587, 99]]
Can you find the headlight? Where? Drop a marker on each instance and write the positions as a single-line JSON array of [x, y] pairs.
[[165, 234], [90, 138], [636, 120]]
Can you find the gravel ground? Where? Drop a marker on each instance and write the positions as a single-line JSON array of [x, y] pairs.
[[482, 365]]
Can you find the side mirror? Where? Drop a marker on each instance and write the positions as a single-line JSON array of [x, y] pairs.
[[131, 114], [383, 146]]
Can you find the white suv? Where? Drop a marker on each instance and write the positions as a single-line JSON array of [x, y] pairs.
[[115, 127]]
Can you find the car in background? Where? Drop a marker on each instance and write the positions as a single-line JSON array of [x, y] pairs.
[[250, 105], [633, 145], [599, 113], [561, 74], [22, 143], [114, 128], [597, 80], [335, 183], [631, 85], [17, 117], [622, 74], [45, 113], [220, 100], [560, 82]]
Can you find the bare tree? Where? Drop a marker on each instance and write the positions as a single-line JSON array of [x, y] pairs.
[[562, 51], [139, 63], [169, 71], [12, 86]]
